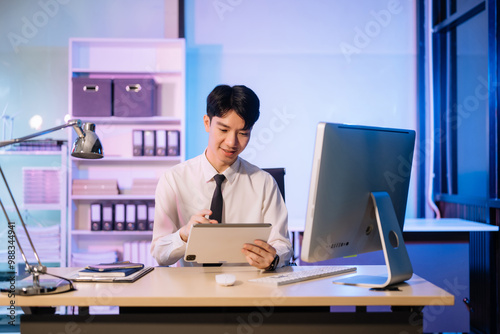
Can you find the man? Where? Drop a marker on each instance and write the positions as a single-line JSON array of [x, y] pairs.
[[250, 195]]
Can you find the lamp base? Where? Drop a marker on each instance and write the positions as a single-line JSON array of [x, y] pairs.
[[33, 289], [46, 289]]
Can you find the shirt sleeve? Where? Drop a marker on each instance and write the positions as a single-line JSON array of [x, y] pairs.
[[167, 247], [275, 212]]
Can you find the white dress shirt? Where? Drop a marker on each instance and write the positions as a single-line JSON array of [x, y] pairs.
[[250, 195]]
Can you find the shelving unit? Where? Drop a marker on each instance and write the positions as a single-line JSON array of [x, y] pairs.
[[42, 212], [160, 59]]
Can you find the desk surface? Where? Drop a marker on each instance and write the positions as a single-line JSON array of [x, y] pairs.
[[446, 225], [196, 287], [424, 225]]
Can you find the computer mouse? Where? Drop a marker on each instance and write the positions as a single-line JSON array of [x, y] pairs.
[[225, 279]]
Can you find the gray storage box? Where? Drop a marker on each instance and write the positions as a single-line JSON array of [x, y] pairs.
[[92, 97], [134, 97]]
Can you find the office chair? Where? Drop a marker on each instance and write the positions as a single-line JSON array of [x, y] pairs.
[[279, 176]]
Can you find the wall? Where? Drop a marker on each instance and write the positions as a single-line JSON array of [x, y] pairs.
[[34, 38], [309, 61]]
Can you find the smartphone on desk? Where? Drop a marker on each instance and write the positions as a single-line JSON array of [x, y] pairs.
[[115, 266]]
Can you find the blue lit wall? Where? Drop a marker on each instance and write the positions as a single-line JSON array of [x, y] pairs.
[[34, 38]]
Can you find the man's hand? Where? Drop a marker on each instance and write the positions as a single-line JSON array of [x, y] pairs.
[[260, 255], [198, 218]]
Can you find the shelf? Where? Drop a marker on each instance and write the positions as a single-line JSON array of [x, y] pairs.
[[108, 233], [131, 120], [34, 207], [138, 159], [163, 60], [3, 152], [50, 206], [84, 198], [160, 72], [127, 55]]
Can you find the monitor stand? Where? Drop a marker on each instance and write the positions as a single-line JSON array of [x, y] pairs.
[[396, 257]]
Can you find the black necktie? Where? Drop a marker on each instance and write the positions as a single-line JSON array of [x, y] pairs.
[[216, 206]]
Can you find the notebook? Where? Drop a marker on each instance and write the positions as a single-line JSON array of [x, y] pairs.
[[108, 273], [222, 243], [123, 279]]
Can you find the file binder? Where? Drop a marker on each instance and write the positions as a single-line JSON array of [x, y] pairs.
[[142, 217], [173, 143], [149, 142], [95, 217], [161, 142], [131, 217], [119, 224], [107, 217], [151, 215], [137, 142]]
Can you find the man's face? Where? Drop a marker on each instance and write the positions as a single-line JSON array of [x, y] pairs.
[[226, 139]]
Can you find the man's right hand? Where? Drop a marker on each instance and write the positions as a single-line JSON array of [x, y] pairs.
[[198, 218]]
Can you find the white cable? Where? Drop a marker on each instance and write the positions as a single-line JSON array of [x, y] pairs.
[[430, 186]]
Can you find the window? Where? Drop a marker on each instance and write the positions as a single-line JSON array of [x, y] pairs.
[[461, 80]]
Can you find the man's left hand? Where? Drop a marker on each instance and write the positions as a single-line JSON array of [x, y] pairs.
[[260, 254]]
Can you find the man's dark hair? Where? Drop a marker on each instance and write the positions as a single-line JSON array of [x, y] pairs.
[[241, 99]]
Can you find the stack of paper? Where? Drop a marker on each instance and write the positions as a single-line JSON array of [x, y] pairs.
[[143, 186], [139, 251], [41, 185], [95, 187], [47, 242], [84, 259]]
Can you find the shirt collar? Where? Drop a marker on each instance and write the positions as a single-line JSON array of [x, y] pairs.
[[209, 171]]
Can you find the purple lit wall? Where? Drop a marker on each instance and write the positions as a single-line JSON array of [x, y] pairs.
[[309, 61]]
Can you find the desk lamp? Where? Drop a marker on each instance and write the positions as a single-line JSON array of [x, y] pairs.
[[86, 146]]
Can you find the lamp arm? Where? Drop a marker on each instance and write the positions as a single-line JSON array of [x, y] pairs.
[[41, 268], [75, 123], [15, 237]]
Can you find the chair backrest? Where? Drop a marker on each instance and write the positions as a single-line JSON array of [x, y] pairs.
[[279, 176]]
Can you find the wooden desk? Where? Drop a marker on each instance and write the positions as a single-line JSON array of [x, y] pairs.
[[191, 300]]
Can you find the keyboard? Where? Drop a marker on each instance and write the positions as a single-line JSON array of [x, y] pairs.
[[304, 275]]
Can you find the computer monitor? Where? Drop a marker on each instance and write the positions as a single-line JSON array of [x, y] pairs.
[[357, 198]]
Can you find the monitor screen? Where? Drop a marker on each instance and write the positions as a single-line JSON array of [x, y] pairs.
[[350, 164]]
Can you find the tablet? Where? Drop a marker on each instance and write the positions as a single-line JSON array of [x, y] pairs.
[[123, 279], [222, 243]]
